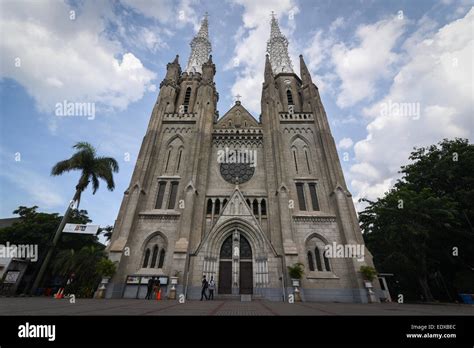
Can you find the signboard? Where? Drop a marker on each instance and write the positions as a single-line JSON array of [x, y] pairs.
[[133, 280], [138, 279], [11, 277], [84, 229], [163, 280], [145, 280]]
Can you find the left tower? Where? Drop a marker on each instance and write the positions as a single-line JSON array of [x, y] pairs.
[[152, 232]]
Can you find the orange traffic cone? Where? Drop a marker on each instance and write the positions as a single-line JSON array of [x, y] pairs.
[[59, 294]]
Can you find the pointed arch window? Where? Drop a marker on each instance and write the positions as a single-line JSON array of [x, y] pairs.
[[295, 160], [154, 256], [289, 97], [226, 249], [167, 160], [317, 255], [314, 196], [154, 251], [245, 249], [187, 97], [307, 160], [310, 261], [255, 207], [162, 258], [161, 194], [326, 263], [209, 207], [218, 207], [173, 193], [263, 207], [179, 160], [146, 259], [300, 194]]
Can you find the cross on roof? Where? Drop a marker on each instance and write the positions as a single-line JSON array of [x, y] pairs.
[[237, 97]]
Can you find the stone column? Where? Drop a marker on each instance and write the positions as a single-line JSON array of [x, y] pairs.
[[212, 212]]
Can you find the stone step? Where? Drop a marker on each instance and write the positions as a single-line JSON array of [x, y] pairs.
[[245, 298], [241, 298], [228, 297]]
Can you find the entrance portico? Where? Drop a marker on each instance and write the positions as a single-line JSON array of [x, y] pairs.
[[237, 254]]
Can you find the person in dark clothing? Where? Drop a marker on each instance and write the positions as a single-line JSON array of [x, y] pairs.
[[149, 292], [205, 284]]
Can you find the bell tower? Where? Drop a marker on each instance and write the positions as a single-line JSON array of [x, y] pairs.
[[312, 206]]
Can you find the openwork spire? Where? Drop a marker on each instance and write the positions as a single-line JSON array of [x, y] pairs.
[[200, 48], [277, 48]]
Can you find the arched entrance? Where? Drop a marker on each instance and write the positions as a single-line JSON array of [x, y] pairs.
[[235, 265]]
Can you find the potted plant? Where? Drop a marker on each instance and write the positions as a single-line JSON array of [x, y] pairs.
[[369, 273], [175, 278], [106, 269], [174, 282], [296, 273]]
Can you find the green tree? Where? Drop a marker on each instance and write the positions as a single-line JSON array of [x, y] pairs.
[[106, 231], [35, 227], [421, 229], [92, 169]]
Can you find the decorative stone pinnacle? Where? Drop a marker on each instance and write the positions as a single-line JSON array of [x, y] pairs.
[[200, 48], [277, 48]]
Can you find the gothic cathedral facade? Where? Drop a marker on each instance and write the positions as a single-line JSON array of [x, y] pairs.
[[192, 209]]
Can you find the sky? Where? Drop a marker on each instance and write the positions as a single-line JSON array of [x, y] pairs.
[[393, 75]]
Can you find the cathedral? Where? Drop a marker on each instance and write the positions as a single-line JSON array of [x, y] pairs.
[[235, 198]]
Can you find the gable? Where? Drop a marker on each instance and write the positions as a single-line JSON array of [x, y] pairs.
[[237, 117], [236, 206]]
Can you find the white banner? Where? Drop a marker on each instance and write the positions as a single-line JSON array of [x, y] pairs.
[[85, 229]]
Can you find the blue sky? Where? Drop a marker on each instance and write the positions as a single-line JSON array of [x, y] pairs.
[[363, 55]]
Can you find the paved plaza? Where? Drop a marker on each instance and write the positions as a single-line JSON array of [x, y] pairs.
[[51, 306]]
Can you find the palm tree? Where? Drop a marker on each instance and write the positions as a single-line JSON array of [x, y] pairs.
[[106, 231], [93, 168]]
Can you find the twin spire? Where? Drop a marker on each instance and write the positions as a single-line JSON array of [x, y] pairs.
[[200, 48], [277, 49]]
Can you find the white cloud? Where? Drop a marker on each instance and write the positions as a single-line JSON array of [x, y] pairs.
[[339, 22], [317, 50], [250, 50], [63, 59], [438, 77], [345, 143], [162, 10], [360, 67]]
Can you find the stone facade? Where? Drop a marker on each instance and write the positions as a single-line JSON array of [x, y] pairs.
[[185, 214]]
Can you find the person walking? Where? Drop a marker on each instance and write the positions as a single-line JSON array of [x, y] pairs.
[[212, 287], [149, 290], [205, 285]]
